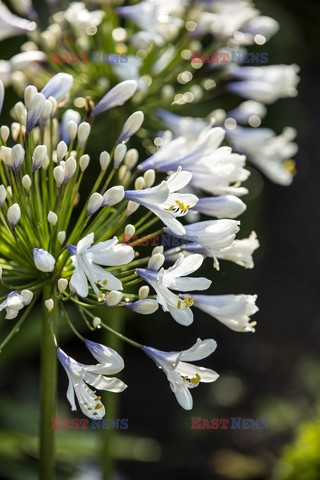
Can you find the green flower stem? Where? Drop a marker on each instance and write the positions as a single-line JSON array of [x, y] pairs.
[[48, 393]]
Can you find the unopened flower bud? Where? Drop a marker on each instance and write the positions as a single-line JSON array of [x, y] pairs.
[[58, 175], [149, 178], [20, 112], [46, 111], [118, 95], [17, 157], [156, 261], [62, 284], [29, 93], [144, 292], [72, 129], [26, 296], [70, 168], [14, 215], [158, 249], [49, 304], [113, 196], [104, 160], [144, 307], [15, 130], [26, 182], [54, 105], [38, 157], [6, 156], [83, 133], [132, 207], [132, 157], [3, 195], [122, 172], [96, 322], [4, 132], [119, 154], [113, 298], [52, 218], [95, 202], [62, 149], [84, 162], [129, 230], [139, 183], [35, 110], [61, 236], [43, 260], [131, 126]]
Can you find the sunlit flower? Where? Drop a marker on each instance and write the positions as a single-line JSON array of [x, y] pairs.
[[181, 374]]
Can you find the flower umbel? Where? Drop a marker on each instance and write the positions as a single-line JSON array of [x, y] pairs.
[[57, 241]]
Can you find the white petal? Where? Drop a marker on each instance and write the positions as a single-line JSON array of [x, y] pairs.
[[79, 282], [85, 242], [201, 349], [183, 396], [206, 374]]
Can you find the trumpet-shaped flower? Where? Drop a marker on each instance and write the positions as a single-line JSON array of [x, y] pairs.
[[214, 169], [164, 201], [234, 311], [181, 374], [15, 302], [11, 25], [80, 376], [272, 154], [176, 278], [87, 260], [213, 236], [265, 84]]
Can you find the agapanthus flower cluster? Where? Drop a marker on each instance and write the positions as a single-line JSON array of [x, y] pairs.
[[180, 53], [70, 245]]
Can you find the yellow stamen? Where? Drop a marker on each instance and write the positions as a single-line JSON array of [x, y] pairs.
[[290, 166], [194, 381]]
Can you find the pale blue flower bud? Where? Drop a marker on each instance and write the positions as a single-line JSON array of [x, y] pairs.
[[43, 260], [35, 110], [117, 96], [58, 87], [17, 157]]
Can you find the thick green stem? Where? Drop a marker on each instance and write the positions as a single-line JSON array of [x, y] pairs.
[[48, 394], [115, 320]]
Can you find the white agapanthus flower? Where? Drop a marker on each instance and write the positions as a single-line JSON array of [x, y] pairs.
[[265, 84], [12, 25], [87, 260], [181, 374], [15, 302], [212, 237], [176, 278], [225, 206], [164, 201], [82, 19], [238, 251], [234, 311], [214, 169], [160, 20], [80, 376], [272, 154]]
